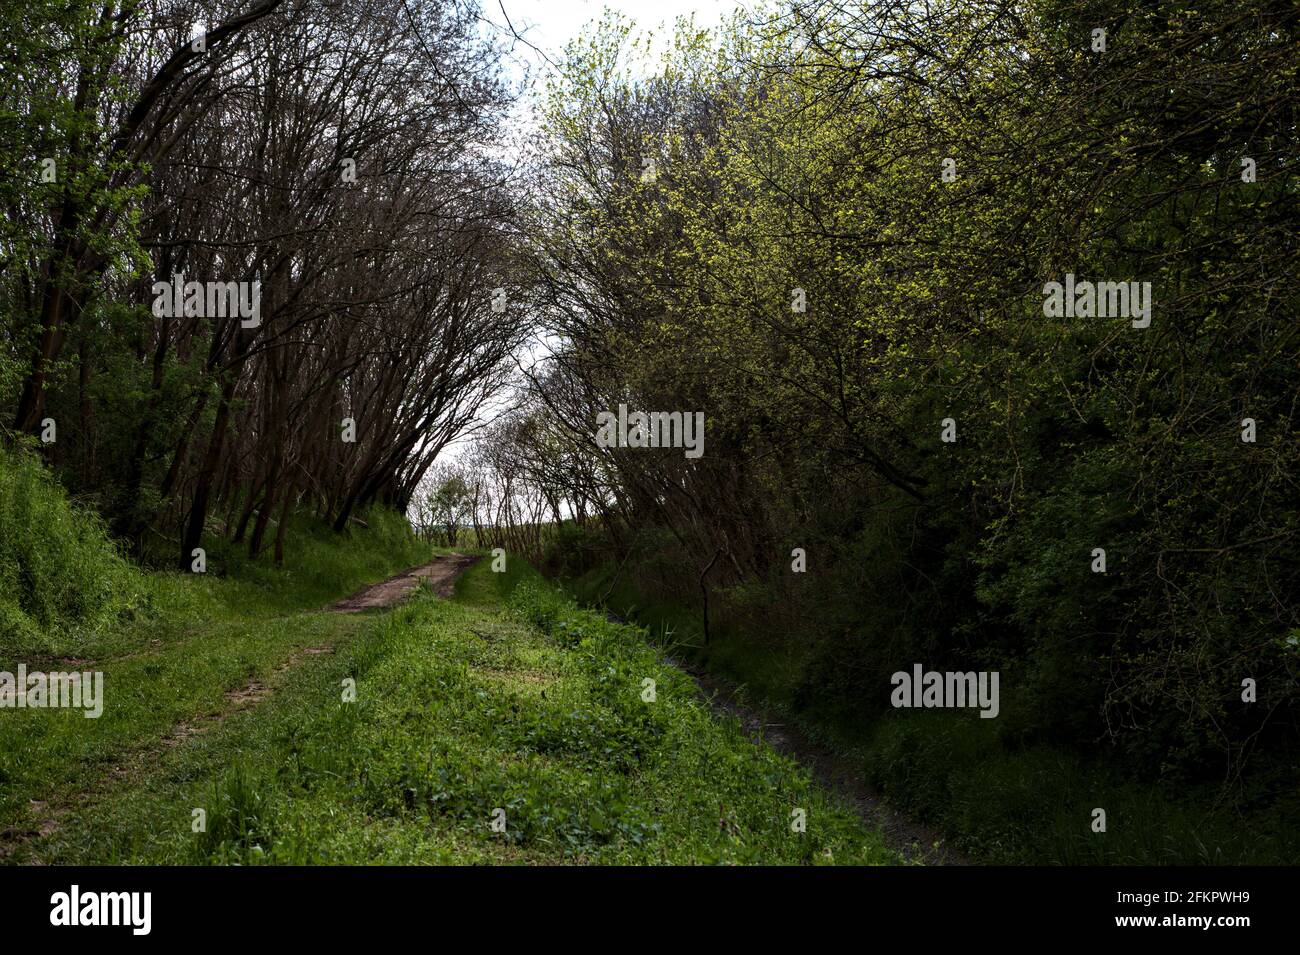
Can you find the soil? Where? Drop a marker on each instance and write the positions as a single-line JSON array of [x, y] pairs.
[[441, 575]]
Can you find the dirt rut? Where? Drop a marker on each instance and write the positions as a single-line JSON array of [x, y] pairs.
[[441, 574], [46, 816]]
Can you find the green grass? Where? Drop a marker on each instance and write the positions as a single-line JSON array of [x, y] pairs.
[[480, 587], [995, 802], [190, 640], [767, 673], [58, 571], [508, 697]]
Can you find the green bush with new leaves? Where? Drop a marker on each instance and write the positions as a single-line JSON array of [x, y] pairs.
[[60, 576], [840, 248]]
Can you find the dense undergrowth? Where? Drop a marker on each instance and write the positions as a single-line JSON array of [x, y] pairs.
[[67, 590], [58, 570], [995, 795]]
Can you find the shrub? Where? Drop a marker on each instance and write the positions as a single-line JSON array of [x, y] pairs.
[[60, 575]]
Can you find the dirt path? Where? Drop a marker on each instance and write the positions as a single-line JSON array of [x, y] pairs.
[[441, 575], [834, 770], [46, 816]]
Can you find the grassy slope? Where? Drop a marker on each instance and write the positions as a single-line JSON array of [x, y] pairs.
[[59, 574], [951, 770], [198, 638], [462, 707]]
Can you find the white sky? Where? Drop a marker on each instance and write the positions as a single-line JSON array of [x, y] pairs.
[[550, 24]]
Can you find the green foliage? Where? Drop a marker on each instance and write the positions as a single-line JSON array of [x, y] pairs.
[[60, 577], [1032, 805], [995, 789], [806, 153], [572, 549], [239, 821]]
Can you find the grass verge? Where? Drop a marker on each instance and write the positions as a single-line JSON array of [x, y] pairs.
[[508, 703], [192, 642]]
